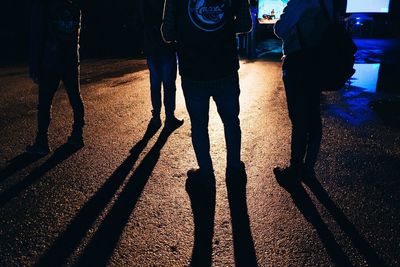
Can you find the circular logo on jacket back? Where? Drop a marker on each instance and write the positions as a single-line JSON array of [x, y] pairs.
[[208, 15]]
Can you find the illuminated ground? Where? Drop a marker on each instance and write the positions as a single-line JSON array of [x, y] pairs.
[[103, 205]]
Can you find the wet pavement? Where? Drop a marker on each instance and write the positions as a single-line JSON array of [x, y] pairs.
[[123, 199]]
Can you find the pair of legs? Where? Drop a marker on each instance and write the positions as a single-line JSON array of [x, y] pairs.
[[303, 101], [48, 84], [163, 70], [225, 93]]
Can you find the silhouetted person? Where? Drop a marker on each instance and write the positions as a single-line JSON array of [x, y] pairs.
[[162, 63], [54, 46], [301, 27], [204, 32]]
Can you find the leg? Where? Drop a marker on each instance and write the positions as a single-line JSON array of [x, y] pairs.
[[314, 127], [72, 86], [47, 87], [296, 106], [198, 103], [155, 84], [226, 98], [169, 69]]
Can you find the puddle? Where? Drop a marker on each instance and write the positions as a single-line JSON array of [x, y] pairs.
[[373, 92], [366, 77]]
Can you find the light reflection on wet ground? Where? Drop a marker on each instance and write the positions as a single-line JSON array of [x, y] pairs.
[[366, 77], [374, 90]]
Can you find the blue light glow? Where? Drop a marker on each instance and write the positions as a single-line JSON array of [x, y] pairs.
[[366, 77], [367, 6]]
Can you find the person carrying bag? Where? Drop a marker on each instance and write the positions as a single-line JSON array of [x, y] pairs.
[[306, 29]]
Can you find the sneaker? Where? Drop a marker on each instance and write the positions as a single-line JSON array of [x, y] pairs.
[[173, 123], [38, 148], [287, 175], [76, 140]]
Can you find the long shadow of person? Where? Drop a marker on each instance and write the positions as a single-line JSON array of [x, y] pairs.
[[100, 248], [18, 163], [243, 243], [59, 155], [69, 240], [347, 227], [305, 205], [202, 198]]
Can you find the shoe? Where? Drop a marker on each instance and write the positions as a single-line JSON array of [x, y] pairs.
[[155, 123], [287, 175], [173, 123], [38, 148], [76, 140]]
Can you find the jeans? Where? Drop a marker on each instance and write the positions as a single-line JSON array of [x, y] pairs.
[[163, 70], [48, 84], [303, 102], [225, 93]]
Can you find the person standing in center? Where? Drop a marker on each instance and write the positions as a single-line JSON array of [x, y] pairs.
[[205, 34], [161, 61]]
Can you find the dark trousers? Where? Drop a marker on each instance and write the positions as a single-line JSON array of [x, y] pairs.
[[225, 93], [303, 102], [48, 85], [163, 70]]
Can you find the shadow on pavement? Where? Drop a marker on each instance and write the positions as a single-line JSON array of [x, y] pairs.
[[110, 72], [202, 198], [68, 241], [305, 205], [243, 243], [100, 248], [359, 242], [18, 163], [59, 155]]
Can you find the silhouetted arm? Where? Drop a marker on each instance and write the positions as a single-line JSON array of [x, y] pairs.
[[36, 40], [243, 21], [168, 27], [290, 16]]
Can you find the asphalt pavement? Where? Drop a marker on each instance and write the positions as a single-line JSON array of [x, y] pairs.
[[122, 200]]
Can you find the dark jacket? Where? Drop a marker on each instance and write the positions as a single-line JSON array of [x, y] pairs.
[[54, 35], [150, 13], [204, 31]]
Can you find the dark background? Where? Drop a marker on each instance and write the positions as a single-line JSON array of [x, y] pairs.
[[109, 29], [112, 29]]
